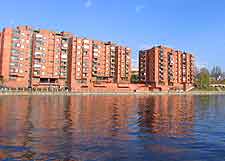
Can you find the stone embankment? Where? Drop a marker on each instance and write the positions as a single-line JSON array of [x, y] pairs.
[[26, 93]]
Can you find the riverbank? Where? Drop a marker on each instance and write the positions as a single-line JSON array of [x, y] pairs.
[[25, 93]]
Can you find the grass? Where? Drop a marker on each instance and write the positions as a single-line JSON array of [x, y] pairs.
[[206, 89]]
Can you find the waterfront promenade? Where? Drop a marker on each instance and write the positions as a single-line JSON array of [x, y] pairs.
[[26, 93]]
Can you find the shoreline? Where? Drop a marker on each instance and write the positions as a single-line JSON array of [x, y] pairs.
[[24, 93]]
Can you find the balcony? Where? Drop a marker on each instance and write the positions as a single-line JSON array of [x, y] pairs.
[[64, 56], [161, 53], [94, 73], [161, 78], [113, 69], [94, 63], [39, 36], [13, 74], [39, 41], [95, 55], [14, 60], [161, 68], [161, 63], [16, 38], [38, 54], [64, 59], [161, 58], [37, 65], [85, 71], [64, 46], [113, 49], [36, 73]]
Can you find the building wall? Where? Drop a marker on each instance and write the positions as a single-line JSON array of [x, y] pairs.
[[123, 64], [81, 63], [166, 68], [142, 66], [48, 59], [111, 61], [96, 64], [15, 56], [1, 43]]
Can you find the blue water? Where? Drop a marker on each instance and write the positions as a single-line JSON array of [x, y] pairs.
[[112, 128]]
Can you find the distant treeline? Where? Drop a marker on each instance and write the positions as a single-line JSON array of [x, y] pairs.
[[204, 77]]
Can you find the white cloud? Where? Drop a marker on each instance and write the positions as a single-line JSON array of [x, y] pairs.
[[88, 3], [139, 8]]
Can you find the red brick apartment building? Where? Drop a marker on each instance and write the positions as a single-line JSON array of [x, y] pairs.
[[166, 69], [41, 58]]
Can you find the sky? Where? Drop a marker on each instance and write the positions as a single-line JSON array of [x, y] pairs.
[[194, 26]]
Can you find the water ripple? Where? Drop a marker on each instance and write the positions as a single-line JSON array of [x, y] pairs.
[[109, 128]]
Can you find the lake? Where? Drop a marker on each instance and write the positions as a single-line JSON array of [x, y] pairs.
[[112, 128]]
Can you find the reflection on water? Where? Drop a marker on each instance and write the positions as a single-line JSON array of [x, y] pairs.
[[112, 128]]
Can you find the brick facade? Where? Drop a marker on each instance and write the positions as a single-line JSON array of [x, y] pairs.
[[48, 59], [166, 69]]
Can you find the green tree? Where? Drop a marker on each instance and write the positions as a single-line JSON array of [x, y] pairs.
[[2, 81], [203, 78], [134, 78]]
